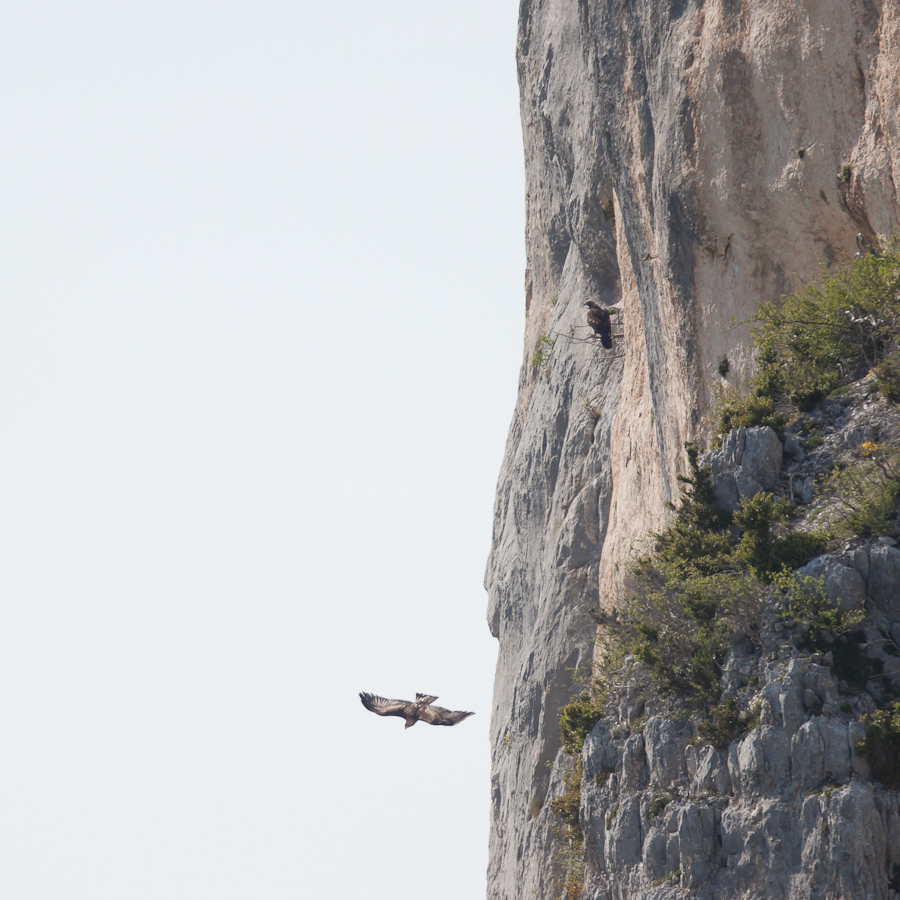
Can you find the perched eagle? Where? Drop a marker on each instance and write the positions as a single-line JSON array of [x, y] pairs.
[[598, 319], [413, 712]]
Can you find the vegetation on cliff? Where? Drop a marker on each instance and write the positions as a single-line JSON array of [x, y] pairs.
[[703, 588], [823, 336], [579, 716], [715, 580], [882, 745]]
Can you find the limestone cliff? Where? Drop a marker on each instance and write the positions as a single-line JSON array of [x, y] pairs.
[[685, 160], [784, 806]]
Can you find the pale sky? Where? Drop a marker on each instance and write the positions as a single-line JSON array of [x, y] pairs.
[[262, 312]]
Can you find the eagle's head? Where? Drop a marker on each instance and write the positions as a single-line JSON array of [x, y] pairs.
[[410, 723]]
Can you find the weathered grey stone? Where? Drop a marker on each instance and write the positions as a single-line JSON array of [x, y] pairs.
[[781, 814], [707, 769], [820, 750], [858, 557], [807, 489], [749, 461], [820, 681], [793, 449], [625, 836], [663, 754], [696, 844], [577, 538], [599, 750], [843, 584], [783, 695], [654, 855], [634, 762], [759, 764]]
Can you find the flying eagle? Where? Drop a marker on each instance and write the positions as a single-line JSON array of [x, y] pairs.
[[413, 712], [598, 319]]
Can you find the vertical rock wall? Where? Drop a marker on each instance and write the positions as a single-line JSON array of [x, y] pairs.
[[664, 175]]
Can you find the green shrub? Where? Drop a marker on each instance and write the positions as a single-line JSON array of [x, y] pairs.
[[766, 547], [578, 717], [681, 628], [879, 507], [725, 722], [702, 589], [796, 548], [866, 494], [690, 599], [826, 334], [570, 852], [573, 887], [735, 409], [567, 805], [805, 600], [697, 540], [667, 879], [881, 745], [658, 803], [541, 356], [888, 374]]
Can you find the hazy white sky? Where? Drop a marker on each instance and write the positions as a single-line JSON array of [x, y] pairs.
[[261, 294]]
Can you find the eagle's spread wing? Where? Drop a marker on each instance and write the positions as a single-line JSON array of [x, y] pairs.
[[384, 707], [437, 715]]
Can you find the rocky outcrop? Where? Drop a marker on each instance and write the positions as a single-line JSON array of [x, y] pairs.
[[749, 461], [664, 175], [786, 807], [784, 811]]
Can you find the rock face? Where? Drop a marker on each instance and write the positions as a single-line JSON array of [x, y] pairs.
[[784, 811], [664, 176], [749, 461], [777, 815]]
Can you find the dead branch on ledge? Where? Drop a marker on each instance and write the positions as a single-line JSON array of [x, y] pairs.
[[593, 340]]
